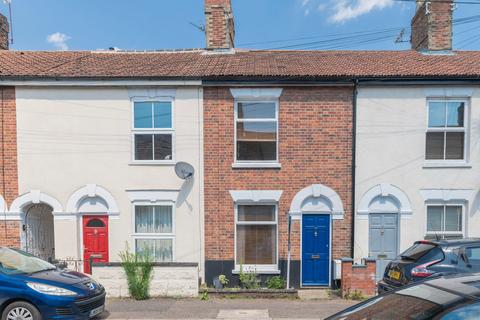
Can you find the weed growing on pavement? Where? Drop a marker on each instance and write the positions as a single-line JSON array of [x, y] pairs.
[[138, 268], [249, 280], [355, 295], [204, 296], [276, 282]]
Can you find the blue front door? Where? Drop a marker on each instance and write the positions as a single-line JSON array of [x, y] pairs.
[[315, 250]]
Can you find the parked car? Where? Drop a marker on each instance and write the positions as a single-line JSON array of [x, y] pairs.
[[426, 259], [33, 289], [454, 297]]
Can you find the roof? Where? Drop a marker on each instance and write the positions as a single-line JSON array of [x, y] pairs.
[[240, 64]]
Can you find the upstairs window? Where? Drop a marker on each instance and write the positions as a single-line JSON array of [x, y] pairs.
[[153, 131], [256, 126], [446, 132]]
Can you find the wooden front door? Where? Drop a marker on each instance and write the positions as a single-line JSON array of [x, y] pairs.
[[95, 241]]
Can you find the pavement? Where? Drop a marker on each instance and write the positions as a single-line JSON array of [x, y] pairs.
[[261, 309]]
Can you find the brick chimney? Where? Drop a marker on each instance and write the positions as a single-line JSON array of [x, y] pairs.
[[4, 29], [220, 28], [432, 25]]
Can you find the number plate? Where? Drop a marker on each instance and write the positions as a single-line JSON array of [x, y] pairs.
[[394, 274], [96, 311]]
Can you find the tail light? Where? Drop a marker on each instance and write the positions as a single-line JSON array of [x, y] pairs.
[[421, 271]]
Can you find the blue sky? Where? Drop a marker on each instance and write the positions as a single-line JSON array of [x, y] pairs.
[[165, 24]]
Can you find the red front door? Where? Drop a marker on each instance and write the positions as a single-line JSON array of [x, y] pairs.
[[95, 241]]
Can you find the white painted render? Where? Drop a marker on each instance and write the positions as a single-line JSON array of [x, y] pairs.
[[75, 143], [390, 153]]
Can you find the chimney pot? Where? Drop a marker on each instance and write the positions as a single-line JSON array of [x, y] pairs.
[[4, 30], [432, 25], [219, 27]]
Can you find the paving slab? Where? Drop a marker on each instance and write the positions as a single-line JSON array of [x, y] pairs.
[[211, 309]]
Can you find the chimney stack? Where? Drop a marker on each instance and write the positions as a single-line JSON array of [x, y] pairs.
[[432, 25], [4, 30], [220, 28]]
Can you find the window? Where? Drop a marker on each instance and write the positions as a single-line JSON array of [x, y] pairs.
[[153, 131], [446, 132], [256, 126], [154, 231], [445, 221], [256, 237], [473, 255]]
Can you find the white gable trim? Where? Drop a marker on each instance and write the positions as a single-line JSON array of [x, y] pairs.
[[447, 195], [317, 191], [256, 196], [385, 190], [34, 197], [91, 191], [256, 93], [153, 195]]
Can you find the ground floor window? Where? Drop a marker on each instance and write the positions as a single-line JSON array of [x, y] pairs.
[[256, 236], [444, 221], [154, 231]]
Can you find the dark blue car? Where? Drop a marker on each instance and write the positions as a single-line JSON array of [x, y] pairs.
[[32, 289]]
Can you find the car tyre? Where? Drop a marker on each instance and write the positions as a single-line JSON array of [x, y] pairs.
[[21, 310]]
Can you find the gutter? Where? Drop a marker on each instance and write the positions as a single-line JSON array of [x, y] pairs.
[[354, 162]]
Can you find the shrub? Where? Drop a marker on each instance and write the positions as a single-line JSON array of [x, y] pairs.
[[223, 279], [138, 268], [355, 295], [276, 282], [249, 280]]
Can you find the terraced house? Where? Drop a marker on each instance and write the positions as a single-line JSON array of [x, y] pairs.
[[300, 157]]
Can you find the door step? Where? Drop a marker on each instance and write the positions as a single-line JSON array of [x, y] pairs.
[[314, 294]]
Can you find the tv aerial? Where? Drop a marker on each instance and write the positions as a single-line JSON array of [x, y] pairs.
[[184, 171]]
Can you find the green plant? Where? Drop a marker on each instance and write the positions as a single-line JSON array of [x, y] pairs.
[[204, 296], [223, 279], [355, 295], [276, 282], [138, 268], [249, 280]]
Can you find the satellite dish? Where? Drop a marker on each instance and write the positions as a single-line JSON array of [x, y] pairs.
[[184, 170]]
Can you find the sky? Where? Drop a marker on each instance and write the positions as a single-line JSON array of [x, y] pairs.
[[260, 24]]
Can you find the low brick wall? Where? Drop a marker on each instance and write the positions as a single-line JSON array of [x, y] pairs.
[[359, 277], [168, 279]]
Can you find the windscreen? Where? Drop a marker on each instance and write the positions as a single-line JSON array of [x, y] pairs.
[[417, 251], [19, 262]]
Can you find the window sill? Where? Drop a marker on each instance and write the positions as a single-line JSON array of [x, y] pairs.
[[272, 165], [446, 164], [258, 271], [152, 163]]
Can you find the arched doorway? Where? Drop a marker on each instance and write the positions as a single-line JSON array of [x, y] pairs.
[[38, 231], [384, 204]]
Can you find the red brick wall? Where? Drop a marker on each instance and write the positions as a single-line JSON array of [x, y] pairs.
[[9, 235], [433, 31], [359, 278], [315, 147]]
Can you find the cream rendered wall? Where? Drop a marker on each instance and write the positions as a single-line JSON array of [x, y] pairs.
[[391, 125], [71, 137]]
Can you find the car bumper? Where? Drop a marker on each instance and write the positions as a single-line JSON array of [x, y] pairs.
[[80, 308], [383, 287]]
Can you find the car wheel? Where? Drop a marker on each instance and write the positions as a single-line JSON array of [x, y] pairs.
[[21, 310]]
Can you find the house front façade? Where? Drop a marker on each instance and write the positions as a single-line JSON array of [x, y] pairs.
[[300, 157]]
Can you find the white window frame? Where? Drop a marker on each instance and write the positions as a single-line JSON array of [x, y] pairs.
[[445, 204], [466, 147], [154, 236], [259, 163], [257, 268], [152, 131]]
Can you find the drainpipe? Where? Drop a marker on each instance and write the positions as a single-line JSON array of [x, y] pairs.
[[354, 151]]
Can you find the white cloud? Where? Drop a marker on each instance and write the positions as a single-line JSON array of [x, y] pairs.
[[59, 40], [344, 10]]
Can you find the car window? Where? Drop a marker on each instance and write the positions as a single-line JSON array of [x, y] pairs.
[[420, 302], [473, 255], [435, 254], [417, 251], [464, 312]]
